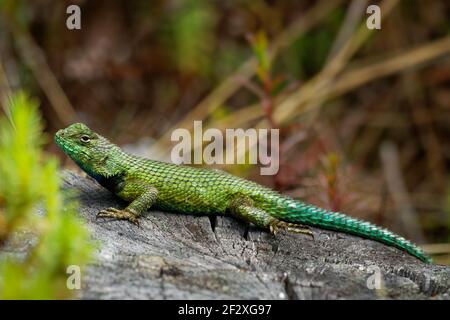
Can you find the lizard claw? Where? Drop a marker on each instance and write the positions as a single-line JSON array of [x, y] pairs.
[[118, 214], [277, 225], [273, 228]]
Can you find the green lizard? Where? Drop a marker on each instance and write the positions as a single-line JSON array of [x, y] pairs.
[[147, 183]]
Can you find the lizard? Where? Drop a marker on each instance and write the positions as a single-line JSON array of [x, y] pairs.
[[145, 183]]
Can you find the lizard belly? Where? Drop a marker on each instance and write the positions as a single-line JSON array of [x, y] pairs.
[[196, 200]]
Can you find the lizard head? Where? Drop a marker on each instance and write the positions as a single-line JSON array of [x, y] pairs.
[[94, 154]]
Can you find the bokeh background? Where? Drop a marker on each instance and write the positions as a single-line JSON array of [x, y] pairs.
[[364, 115]]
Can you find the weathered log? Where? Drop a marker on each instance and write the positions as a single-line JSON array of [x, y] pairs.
[[176, 256]]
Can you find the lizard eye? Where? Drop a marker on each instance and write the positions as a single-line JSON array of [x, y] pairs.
[[85, 138]]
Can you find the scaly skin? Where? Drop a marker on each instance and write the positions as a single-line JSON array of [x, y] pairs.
[[147, 183]]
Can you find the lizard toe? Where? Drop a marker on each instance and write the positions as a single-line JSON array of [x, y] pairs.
[[107, 213], [277, 225], [118, 214]]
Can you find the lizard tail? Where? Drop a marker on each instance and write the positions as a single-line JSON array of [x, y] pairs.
[[301, 213]]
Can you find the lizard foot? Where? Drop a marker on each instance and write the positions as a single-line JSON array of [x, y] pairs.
[[277, 225], [119, 214]]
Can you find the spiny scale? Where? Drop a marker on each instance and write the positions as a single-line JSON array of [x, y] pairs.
[[204, 191]]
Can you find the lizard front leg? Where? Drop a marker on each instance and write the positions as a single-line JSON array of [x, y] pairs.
[[142, 196], [243, 207]]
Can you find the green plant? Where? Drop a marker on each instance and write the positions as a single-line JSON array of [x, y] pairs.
[[330, 175], [29, 181]]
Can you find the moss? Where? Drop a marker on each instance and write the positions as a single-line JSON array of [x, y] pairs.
[[30, 179]]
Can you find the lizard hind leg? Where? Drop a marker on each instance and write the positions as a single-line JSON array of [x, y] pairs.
[[244, 209]]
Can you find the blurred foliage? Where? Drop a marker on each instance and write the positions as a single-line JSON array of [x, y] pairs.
[[447, 208], [331, 164], [311, 49], [191, 31], [30, 180], [17, 10], [261, 49]]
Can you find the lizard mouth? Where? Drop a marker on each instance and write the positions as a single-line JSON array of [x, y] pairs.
[[63, 143], [59, 138]]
